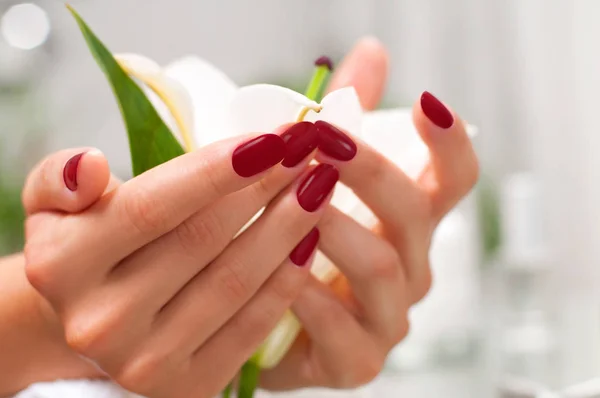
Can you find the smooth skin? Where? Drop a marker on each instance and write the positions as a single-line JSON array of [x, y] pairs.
[[148, 283], [149, 318]]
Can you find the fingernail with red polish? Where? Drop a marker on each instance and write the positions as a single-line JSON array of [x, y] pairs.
[[335, 143], [258, 155], [436, 111], [70, 172], [305, 248], [300, 140], [315, 188]]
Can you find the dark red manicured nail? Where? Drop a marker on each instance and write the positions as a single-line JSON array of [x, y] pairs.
[[70, 172], [305, 248], [333, 142], [315, 188], [436, 111], [258, 155], [300, 140]]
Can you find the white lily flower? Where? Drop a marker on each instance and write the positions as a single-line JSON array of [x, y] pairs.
[[202, 105]]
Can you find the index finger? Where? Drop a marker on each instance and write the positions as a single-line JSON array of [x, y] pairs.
[[453, 169], [158, 200]]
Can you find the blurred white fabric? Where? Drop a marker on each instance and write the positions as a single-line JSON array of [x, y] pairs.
[[74, 389], [102, 389]]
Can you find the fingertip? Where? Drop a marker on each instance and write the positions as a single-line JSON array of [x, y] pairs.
[[436, 122], [454, 167], [304, 252], [93, 176], [366, 69], [372, 46]]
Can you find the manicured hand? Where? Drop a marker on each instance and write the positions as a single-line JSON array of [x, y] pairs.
[[350, 329], [146, 278]]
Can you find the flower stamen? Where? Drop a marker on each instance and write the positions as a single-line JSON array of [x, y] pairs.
[[323, 68], [305, 111]]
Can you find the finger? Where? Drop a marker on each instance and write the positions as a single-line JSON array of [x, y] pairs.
[[366, 69], [339, 353], [401, 206], [70, 180], [157, 201], [160, 199], [453, 168], [149, 275], [224, 354], [219, 291], [373, 269]]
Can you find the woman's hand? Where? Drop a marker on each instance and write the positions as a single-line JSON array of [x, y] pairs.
[[147, 281], [348, 331]]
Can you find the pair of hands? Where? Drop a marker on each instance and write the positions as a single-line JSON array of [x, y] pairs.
[[147, 280]]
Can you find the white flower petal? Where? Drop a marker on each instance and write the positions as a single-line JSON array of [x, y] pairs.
[[210, 90], [281, 338], [264, 107], [169, 97], [472, 131], [393, 133], [341, 108], [278, 342]]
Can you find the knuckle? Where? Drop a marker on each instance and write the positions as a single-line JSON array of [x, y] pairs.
[[142, 374], [83, 336], [472, 171], [205, 230], [91, 334], [144, 213], [369, 367], [231, 283], [423, 284], [401, 331], [40, 267]]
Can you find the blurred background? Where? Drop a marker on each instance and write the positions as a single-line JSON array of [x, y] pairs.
[[515, 306]]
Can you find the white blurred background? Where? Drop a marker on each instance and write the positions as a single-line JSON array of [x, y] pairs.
[[526, 72]]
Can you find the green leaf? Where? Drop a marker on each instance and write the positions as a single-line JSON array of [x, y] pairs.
[[248, 380], [150, 141]]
